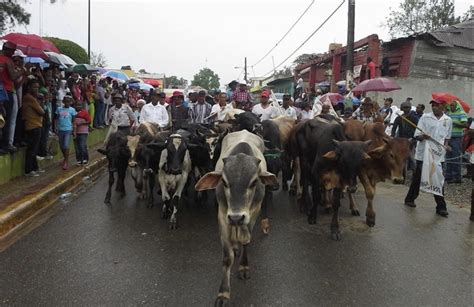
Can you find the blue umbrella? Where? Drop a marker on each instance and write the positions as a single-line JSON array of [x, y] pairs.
[[355, 101], [116, 74], [34, 60], [146, 87]]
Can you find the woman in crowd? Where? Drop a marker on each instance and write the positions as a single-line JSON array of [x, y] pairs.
[[65, 128]]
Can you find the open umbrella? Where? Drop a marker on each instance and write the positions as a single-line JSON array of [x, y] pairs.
[[450, 98], [30, 40], [83, 68], [152, 82], [145, 87], [116, 74], [334, 98], [60, 59], [377, 85]]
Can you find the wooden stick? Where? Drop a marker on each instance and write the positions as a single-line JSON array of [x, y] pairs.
[[416, 127]]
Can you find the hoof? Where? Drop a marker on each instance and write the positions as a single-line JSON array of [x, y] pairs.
[[265, 224], [355, 212], [336, 235], [244, 273], [107, 201], [311, 220], [173, 226], [370, 222], [284, 187], [292, 192], [221, 301]]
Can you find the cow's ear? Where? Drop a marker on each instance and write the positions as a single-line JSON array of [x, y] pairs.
[[377, 152], [102, 151], [268, 178], [330, 155], [208, 181]]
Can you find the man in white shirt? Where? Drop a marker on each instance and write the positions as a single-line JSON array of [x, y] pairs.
[[220, 109], [154, 112], [437, 126], [288, 110], [264, 109]]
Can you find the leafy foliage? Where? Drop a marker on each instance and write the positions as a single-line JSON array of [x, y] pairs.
[[71, 49], [305, 57], [173, 81], [206, 78], [98, 60], [415, 16]]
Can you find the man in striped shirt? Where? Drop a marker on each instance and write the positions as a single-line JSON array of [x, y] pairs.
[[200, 110], [453, 163]]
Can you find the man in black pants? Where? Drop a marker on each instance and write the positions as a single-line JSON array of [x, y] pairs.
[[437, 127]]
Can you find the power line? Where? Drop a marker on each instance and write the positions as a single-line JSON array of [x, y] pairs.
[[291, 28], [306, 40]]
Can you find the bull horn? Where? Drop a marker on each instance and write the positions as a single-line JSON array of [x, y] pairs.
[[336, 142]]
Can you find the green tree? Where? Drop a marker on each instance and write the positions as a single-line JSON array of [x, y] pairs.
[[415, 16], [71, 49], [12, 14], [206, 78], [173, 81], [305, 57]]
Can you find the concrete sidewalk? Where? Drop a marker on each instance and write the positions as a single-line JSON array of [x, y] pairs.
[[23, 198]]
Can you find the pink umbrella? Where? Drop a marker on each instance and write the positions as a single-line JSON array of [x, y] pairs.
[[334, 98], [377, 85], [30, 41]]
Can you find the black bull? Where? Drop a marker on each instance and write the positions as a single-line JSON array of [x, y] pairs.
[[322, 148]]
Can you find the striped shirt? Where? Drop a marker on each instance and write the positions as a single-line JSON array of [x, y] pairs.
[[199, 111], [458, 117]]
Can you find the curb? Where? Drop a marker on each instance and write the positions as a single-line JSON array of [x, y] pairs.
[[22, 211]]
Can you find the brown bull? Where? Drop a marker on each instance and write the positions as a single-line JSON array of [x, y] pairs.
[[388, 158]]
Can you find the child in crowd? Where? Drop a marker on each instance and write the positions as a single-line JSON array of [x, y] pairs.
[[81, 128], [65, 127]]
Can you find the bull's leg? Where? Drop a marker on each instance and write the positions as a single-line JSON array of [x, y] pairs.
[[369, 194], [224, 290], [121, 181], [286, 171], [267, 200], [244, 273], [304, 199], [352, 204], [145, 184], [135, 173], [164, 194], [151, 185], [174, 208], [335, 233], [296, 188], [313, 214], [109, 189]]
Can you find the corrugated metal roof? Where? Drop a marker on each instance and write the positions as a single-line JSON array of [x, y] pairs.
[[459, 35]]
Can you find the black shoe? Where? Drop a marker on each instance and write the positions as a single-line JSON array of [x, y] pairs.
[[410, 204], [3, 152], [443, 213], [12, 149], [454, 181]]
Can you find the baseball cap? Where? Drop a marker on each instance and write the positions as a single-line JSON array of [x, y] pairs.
[[19, 53], [437, 101], [264, 94]]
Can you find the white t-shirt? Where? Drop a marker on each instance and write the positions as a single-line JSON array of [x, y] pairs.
[[154, 114], [266, 113], [438, 129], [220, 111], [290, 112], [306, 114]]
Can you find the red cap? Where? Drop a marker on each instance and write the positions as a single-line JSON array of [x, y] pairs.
[[177, 94], [264, 94], [438, 101]]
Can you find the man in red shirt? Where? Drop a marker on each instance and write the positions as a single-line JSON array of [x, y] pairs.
[[8, 73], [371, 68]]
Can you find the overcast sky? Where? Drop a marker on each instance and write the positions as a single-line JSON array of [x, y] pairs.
[[179, 37]]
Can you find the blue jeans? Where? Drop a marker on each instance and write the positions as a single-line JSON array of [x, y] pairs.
[[80, 144], [64, 139], [99, 114], [453, 170]]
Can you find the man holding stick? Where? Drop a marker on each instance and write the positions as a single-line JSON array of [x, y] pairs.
[[436, 128]]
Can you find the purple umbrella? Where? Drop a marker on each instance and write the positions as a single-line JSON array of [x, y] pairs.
[[377, 85]]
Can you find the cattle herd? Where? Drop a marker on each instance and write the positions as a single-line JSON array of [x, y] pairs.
[[241, 159]]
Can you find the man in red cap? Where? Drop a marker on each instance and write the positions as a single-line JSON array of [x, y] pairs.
[[8, 73], [178, 112], [264, 109], [432, 127]]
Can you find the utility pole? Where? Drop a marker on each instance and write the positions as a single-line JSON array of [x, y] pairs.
[[350, 44], [89, 31], [245, 70]]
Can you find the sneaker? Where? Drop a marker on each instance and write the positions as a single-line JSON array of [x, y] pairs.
[[39, 158], [40, 171], [410, 204], [11, 149], [85, 162], [79, 163], [50, 157], [32, 174]]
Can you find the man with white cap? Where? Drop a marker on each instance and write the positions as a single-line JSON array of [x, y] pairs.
[[18, 59], [242, 97]]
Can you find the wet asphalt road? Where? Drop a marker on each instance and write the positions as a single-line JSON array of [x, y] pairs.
[[91, 254]]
